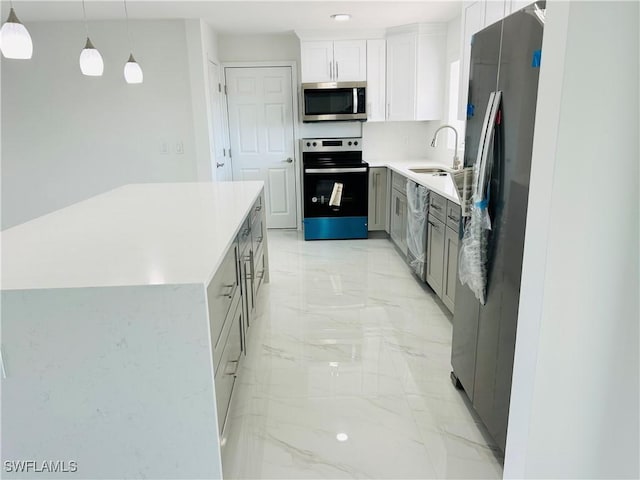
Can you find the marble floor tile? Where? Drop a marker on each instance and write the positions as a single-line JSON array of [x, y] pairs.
[[347, 373]]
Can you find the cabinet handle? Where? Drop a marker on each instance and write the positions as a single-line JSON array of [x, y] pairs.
[[452, 218], [218, 165], [437, 227], [4, 372], [337, 74], [229, 291], [331, 70], [258, 208], [231, 368], [435, 207]]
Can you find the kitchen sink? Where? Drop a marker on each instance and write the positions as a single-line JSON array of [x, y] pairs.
[[434, 170]]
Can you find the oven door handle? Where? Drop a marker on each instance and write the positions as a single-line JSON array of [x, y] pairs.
[[355, 100], [336, 170]]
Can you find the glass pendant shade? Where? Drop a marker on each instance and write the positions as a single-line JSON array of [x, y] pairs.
[[15, 41], [91, 62], [132, 71]]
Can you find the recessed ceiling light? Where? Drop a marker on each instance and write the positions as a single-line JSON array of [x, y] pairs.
[[342, 437], [341, 17]]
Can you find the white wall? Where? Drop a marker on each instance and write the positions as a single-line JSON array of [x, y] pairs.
[[575, 395], [66, 137], [255, 48], [202, 46]]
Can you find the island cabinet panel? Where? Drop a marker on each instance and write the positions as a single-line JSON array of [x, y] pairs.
[[117, 379]]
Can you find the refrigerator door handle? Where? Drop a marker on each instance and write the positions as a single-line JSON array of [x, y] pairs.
[[488, 130]]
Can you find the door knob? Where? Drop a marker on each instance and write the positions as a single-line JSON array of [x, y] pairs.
[[289, 160], [218, 165]]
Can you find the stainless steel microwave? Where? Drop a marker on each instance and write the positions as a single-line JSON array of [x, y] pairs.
[[334, 101]]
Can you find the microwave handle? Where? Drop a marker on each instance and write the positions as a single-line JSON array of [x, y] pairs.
[[355, 100]]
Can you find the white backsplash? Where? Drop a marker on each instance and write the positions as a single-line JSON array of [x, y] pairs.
[[404, 140], [388, 141]]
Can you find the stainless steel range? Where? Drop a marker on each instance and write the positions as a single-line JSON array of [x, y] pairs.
[[336, 189]]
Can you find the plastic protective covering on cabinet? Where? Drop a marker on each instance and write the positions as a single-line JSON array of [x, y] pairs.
[[472, 264], [418, 203]]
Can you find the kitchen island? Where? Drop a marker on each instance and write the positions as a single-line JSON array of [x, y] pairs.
[[108, 359]]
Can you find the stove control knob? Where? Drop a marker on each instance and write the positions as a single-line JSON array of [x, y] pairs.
[[355, 143], [308, 144], [349, 143], [315, 144]]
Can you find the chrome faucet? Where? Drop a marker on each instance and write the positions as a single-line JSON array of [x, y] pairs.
[[456, 160]]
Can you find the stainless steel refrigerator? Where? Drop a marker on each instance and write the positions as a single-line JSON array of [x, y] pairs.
[[505, 57]]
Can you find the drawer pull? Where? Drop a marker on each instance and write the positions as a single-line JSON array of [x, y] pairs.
[[455, 219], [437, 227], [229, 291], [436, 206], [231, 368], [245, 233], [258, 208]]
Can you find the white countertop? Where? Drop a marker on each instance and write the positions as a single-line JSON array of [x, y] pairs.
[[442, 185], [143, 234]]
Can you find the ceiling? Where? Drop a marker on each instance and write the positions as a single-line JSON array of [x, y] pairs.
[[247, 17]]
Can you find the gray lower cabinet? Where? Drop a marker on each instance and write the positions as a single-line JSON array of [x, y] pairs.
[[435, 253], [398, 206], [442, 248], [232, 295], [450, 271], [378, 204]]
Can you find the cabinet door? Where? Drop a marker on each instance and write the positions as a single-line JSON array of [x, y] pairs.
[[376, 80], [450, 268], [377, 198], [494, 10], [404, 223], [317, 61], [472, 22], [350, 60], [435, 254], [401, 76], [399, 220]]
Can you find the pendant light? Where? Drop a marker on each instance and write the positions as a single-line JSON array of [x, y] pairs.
[[91, 63], [15, 41], [132, 71]]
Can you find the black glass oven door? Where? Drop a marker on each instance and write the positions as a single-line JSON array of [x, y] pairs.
[[336, 192]]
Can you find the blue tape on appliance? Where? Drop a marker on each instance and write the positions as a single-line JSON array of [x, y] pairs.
[[535, 60]]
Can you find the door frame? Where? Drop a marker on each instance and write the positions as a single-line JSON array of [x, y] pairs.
[[295, 94]]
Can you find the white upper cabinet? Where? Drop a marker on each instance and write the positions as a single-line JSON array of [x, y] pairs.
[[333, 61], [317, 61], [415, 72], [376, 80], [350, 59], [476, 16]]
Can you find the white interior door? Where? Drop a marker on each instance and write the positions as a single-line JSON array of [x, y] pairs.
[[260, 105], [221, 163]]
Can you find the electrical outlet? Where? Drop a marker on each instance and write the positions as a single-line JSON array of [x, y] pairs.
[[179, 148], [164, 148]]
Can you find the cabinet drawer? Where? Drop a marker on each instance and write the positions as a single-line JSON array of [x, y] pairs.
[[244, 236], [453, 215], [437, 206], [228, 368], [399, 182], [218, 347], [257, 232], [221, 291], [256, 210], [260, 269]]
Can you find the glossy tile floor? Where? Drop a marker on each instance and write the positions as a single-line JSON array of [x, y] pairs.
[[347, 374]]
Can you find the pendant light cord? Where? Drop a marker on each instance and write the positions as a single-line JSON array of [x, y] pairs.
[[84, 15], [126, 14]]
